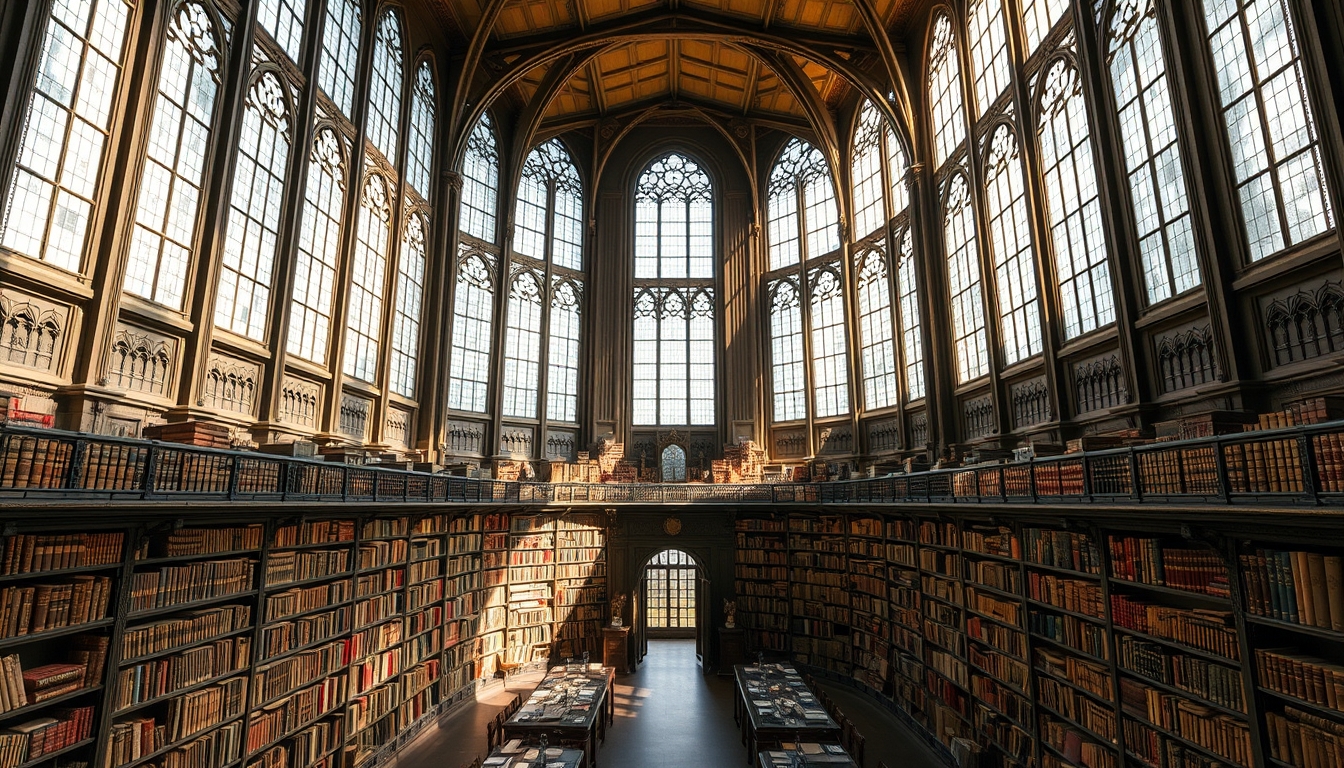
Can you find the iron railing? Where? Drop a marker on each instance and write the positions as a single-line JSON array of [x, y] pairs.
[[1296, 466]]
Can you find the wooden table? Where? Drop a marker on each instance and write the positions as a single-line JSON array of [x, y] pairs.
[[569, 758], [831, 756], [773, 705], [558, 710]]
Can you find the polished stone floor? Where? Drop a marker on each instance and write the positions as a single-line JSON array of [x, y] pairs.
[[668, 715]]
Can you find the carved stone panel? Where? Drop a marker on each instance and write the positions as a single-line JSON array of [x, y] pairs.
[[465, 437], [789, 443], [300, 402], [1099, 383], [354, 421], [231, 385], [1185, 358], [397, 428], [142, 361], [919, 430], [883, 436], [32, 331], [1031, 402], [561, 445], [977, 417], [835, 440], [1305, 324], [516, 441]]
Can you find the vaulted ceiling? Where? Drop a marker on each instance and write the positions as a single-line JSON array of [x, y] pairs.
[[567, 62]]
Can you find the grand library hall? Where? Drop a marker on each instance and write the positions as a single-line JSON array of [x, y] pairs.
[[671, 384]]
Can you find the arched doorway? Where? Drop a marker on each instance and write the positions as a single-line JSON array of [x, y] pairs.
[[673, 464], [673, 599]]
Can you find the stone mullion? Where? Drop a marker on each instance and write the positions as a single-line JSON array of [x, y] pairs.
[[609, 366], [303, 120], [734, 319], [805, 315], [1108, 158], [203, 287]]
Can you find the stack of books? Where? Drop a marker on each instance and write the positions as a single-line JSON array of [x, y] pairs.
[[199, 433]]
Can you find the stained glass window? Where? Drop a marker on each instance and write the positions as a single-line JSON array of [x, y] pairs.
[[340, 53], [866, 171], [562, 357], [385, 89], [912, 342], [319, 250], [786, 351], [830, 348], [674, 356], [1276, 155], [989, 52], [1039, 17], [480, 184], [1152, 155], [1010, 238], [368, 280], [168, 210], [1072, 204], [283, 21], [522, 346], [877, 345], [970, 344], [674, 221], [253, 228], [801, 180], [62, 147], [420, 144], [949, 119], [473, 320], [409, 298]]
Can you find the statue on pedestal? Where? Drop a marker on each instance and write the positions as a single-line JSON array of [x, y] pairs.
[[730, 608], [617, 607]]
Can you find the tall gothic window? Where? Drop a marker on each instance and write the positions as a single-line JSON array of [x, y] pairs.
[[168, 211], [877, 346], [1072, 204], [1152, 155], [1276, 155], [319, 249], [802, 227], [788, 387], [1010, 236], [50, 200], [674, 323], [283, 21], [368, 277], [989, 52], [409, 296], [340, 53], [912, 342], [1039, 17], [473, 321], [480, 182], [420, 143], [384, 115], [866, 171], [948, 111], [969, 341], [253, 229], [548, 246]]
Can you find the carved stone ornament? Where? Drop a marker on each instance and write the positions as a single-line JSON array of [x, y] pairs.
[[672, 526]]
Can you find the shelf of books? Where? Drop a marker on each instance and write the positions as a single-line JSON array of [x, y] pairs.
[[493, 596], [580, 585], [819, 609], [870, 611], [531, 590], [461, 608], [761, 582]]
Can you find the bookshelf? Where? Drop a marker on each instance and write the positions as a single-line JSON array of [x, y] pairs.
[[761, 582]]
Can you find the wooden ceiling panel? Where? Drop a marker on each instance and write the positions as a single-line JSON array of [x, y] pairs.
[[635, 72], [713, 71], [575, 98], [599, 10], [773, 96], [527, 17], [828, 15], [748, 9]]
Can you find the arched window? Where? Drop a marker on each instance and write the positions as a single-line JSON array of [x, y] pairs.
[[549, 234], [168, 210], [671, 582], [1152, 155], [522, 345], [970, 344], [866, 171], [385, 89], [1073, 206], [1038, 18], [801, 182], [420, 144], [786, 351], [368, 275], [340, 53], [877, 343], [830, 348], [480, 185], [253, 228], [409, 296], [674, 324], [1014, 262], [946, 107], [473, 318], [1276, 155], [989, 51], [673, 464], [283, 21], [60, 157], [319, 249], [912, 340]]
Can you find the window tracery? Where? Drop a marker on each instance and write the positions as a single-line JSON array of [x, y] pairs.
[[319, 247], [384, 113], [420, 144], [947, 108], [480, 187], [368, 280], [340, 53], [1014, 262], [970, 343], [786, 350], [409, 297], [473, 320]]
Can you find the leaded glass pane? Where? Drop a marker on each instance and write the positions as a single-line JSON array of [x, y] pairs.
[[1039, 17], [168, 210], [562, 356], [253, 228], [522, 346], [50, 199], [896, 170], [674, 221], [473, 320], [912, 342], [970, 344], [1010, 238], [385, 89], [877, 345], [319, 250], [866, 171], [409, 297], [283, 21], [989, 51], [830, 350], [480, 186], [368, 280], [340, 53], [547, 168], [420, 144], [786, 351], [801, 172], [674, 356], [949, 120]]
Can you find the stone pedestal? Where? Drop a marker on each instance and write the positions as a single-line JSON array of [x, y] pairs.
[[732, 649], [615, 649]]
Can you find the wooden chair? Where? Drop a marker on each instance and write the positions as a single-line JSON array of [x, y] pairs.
[[847, 732], [857, 743], [494, 732]]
